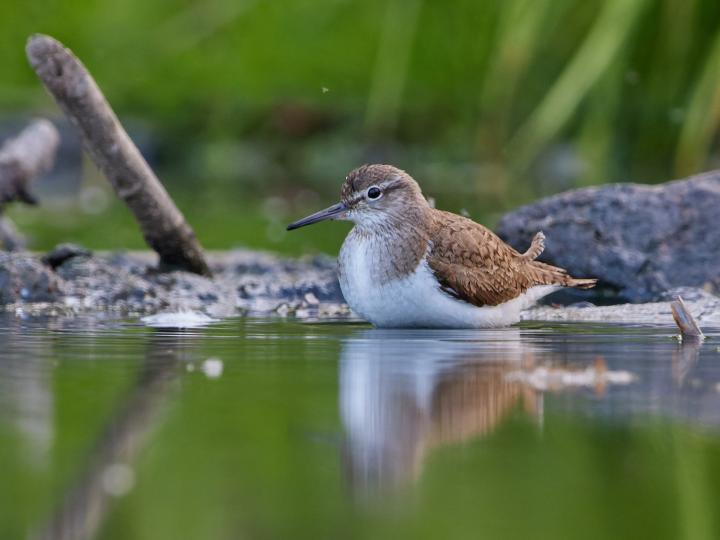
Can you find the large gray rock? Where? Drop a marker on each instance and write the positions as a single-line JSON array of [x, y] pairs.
[[638, 240]]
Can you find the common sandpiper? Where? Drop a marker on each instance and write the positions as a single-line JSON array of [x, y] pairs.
[[405, 264]]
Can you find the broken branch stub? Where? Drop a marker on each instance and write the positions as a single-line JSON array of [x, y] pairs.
[[10, 238], [24, 158], [113, 152], [685, 321]]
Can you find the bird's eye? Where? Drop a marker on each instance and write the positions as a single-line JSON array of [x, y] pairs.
[[374, 192]]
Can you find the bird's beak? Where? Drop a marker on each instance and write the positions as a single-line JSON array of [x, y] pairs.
[[331, 212]]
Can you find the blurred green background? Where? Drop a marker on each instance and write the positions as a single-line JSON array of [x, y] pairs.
[[252, 112]]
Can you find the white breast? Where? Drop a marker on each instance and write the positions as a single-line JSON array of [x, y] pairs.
[[415, 300]]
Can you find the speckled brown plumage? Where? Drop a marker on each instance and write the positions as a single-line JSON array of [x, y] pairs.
[[474, 265]]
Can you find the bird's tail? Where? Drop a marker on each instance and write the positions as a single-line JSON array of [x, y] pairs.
[[582, 283], [547, 274]]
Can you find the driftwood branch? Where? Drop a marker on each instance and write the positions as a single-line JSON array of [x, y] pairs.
[[10, 238], [108, 144], [689, 328], [22, 159]]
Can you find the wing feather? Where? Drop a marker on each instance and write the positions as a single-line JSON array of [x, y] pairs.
[[473, 264]]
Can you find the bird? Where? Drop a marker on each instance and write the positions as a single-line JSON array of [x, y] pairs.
[[406, 264]]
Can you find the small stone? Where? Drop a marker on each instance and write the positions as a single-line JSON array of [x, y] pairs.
[[118, 479], [179, 319], [212, 368], [24, 278], [64, 252]]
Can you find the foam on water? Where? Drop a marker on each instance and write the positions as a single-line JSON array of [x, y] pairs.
[[178, 319]]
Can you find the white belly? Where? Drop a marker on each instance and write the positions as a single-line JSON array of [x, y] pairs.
[[416, 300]]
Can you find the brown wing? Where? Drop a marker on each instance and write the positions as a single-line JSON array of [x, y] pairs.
[[471, 263]]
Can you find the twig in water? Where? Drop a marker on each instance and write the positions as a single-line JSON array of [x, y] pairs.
[[108, 144], [689, 328]]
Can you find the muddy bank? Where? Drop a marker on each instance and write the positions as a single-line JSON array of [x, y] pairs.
[[705, 307], [70, 280]]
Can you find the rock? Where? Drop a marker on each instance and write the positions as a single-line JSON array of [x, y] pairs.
[[63, 252], [689, 294], [23, 278], [638, 240], [285, 286]]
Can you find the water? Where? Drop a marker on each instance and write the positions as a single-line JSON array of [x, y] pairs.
[[274, 429]]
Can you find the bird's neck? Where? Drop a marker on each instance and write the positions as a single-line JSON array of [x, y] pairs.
[[398, 242]]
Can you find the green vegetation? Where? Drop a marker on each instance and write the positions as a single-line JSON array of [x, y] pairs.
[[220, 223], [489, 103]]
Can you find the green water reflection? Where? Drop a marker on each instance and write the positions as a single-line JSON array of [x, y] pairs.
[[270, 429]]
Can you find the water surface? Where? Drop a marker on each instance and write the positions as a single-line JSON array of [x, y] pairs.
[[279, 429]]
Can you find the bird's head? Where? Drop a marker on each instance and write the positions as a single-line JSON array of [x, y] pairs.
[[372, 195]]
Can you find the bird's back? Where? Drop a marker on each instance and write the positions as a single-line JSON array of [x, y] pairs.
[[473, 264]]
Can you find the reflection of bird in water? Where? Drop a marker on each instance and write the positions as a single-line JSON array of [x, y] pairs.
[[403, 393]]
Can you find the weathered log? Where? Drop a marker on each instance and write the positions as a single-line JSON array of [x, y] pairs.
[[163, 226]]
